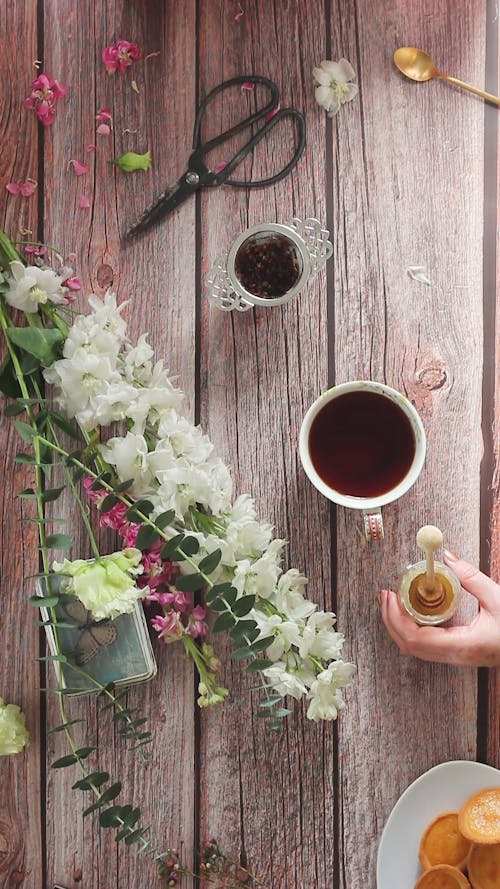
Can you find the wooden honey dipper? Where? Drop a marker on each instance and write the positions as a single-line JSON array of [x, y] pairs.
[[428, 587]]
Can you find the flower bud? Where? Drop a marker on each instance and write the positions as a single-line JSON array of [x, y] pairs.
[[130, 162]]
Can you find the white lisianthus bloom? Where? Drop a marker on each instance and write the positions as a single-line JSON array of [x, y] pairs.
[[319, 639], [325, 696], [105, 586], [288, 682], [129, 455], [286, 633], [31, 286], [13, 732], [289, 599], [333, 85]]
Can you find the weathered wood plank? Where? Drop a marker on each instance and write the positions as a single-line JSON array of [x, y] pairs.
[[266, 799], [402, 155], [157, 275], [20, 776]]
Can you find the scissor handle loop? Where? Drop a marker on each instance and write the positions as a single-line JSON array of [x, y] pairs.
[[248, 121], [260, 183]]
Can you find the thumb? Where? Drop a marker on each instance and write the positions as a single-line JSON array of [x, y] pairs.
[[485, 590]]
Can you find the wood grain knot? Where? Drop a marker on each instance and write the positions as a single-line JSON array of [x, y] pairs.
[[105, 276], [18, 877], [432, 377], [77, 875]]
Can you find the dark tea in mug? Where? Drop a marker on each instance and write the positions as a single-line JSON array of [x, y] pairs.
[[361, 444]]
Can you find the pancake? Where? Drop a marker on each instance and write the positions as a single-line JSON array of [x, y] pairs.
[[479, 817], [442, 876], [442, 843], [484, 866]]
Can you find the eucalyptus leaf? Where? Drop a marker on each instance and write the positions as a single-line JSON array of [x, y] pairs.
[[109, 502], [190, 583], [96, 779], [210, 562], [146, 537], [58, 541], [111, 817], [63, 726], [111, 793], [93, 808], [164, 519], [261, 644], [27, 433], [224, 622], [140, 506], [243, 606], [169, 548], [189, 547], [258, 664], [64, 761]]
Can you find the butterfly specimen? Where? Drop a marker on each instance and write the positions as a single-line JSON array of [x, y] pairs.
[[94, 634]]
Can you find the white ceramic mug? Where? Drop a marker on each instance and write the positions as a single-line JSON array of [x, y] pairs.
[[370, 506]]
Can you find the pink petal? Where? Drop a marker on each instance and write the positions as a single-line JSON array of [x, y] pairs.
[[219, 167], [73, 283], [104, 129], [80, 168], [13, 188], [272, 113], [152, 55], [239, 15], [91, 148], [71, 257], [28, 188], [103, 114], [247, 85], [84, 202]]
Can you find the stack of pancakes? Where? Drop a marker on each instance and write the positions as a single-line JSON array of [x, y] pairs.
[[460, 850]]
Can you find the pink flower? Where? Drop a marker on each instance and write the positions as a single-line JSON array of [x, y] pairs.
[[168, 626], [129, 533], [119, 56], [197, 627], [83, 202], [114, 518], [45, 94], [80, 168], [96, 496]]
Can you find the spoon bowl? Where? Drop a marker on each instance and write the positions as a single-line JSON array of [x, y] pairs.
[[415, 64], [418, 65]]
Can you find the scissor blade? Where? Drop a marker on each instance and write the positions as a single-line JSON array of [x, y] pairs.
[[170, 198]]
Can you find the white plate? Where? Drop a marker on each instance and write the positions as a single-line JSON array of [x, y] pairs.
[[441, 789]]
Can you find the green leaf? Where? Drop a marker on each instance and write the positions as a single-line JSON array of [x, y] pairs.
[[170, 547], [111, 817], [26, 431], [124, 486], [64, 761], [62, 727], [242, 653], [42, 343], [189, 547], [9, 384], [281, 712], [135, 836], [55, 658], [245, 629], [109, 502], [140, 506], [111, 793], [224, 622], [210, 562], [51, 494], [44, 601], [165, 518], [58, 541], [190, 583], [218, 605], [93, 808], [66, 427], [96, 779], [27, 494], [146, 537], [12, 410], [258, 664], [131, 161], [25, 458], [261, 644], [83, 752], [270, 702], [242, 606], [29, 364], [225, 591]]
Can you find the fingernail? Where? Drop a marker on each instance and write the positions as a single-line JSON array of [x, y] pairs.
[[452, 557], [379, 597]]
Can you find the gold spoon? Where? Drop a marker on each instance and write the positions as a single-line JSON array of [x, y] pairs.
[[417, 65]]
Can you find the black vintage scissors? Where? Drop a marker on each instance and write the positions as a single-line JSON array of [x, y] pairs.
[[198, 174]]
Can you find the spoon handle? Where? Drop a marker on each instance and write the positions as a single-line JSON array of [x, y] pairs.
[[472, 89]]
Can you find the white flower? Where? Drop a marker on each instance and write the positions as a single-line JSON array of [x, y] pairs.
[[333, 86], [289, 599], [319, 639], [129, 455], [325, 698], [105, 586], [13, 732], [286, 633], [107, 314], [31, 286], [287, 682]]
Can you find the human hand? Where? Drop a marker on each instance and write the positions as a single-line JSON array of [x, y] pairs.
[[474, 645]]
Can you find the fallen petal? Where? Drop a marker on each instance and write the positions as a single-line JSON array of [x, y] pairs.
[[419, 273], [84, 202], [134, 86], [13, 188], [28, 188], [104, 129], [80, 168], [239, 15], [91, 148]]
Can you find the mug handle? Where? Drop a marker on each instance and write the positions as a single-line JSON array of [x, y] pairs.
[[374, 526]]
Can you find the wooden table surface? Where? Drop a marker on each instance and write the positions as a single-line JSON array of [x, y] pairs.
[[405, 175]]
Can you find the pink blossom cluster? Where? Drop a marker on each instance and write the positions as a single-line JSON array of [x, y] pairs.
[[45, 93], [179, 615], [120, 55]]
